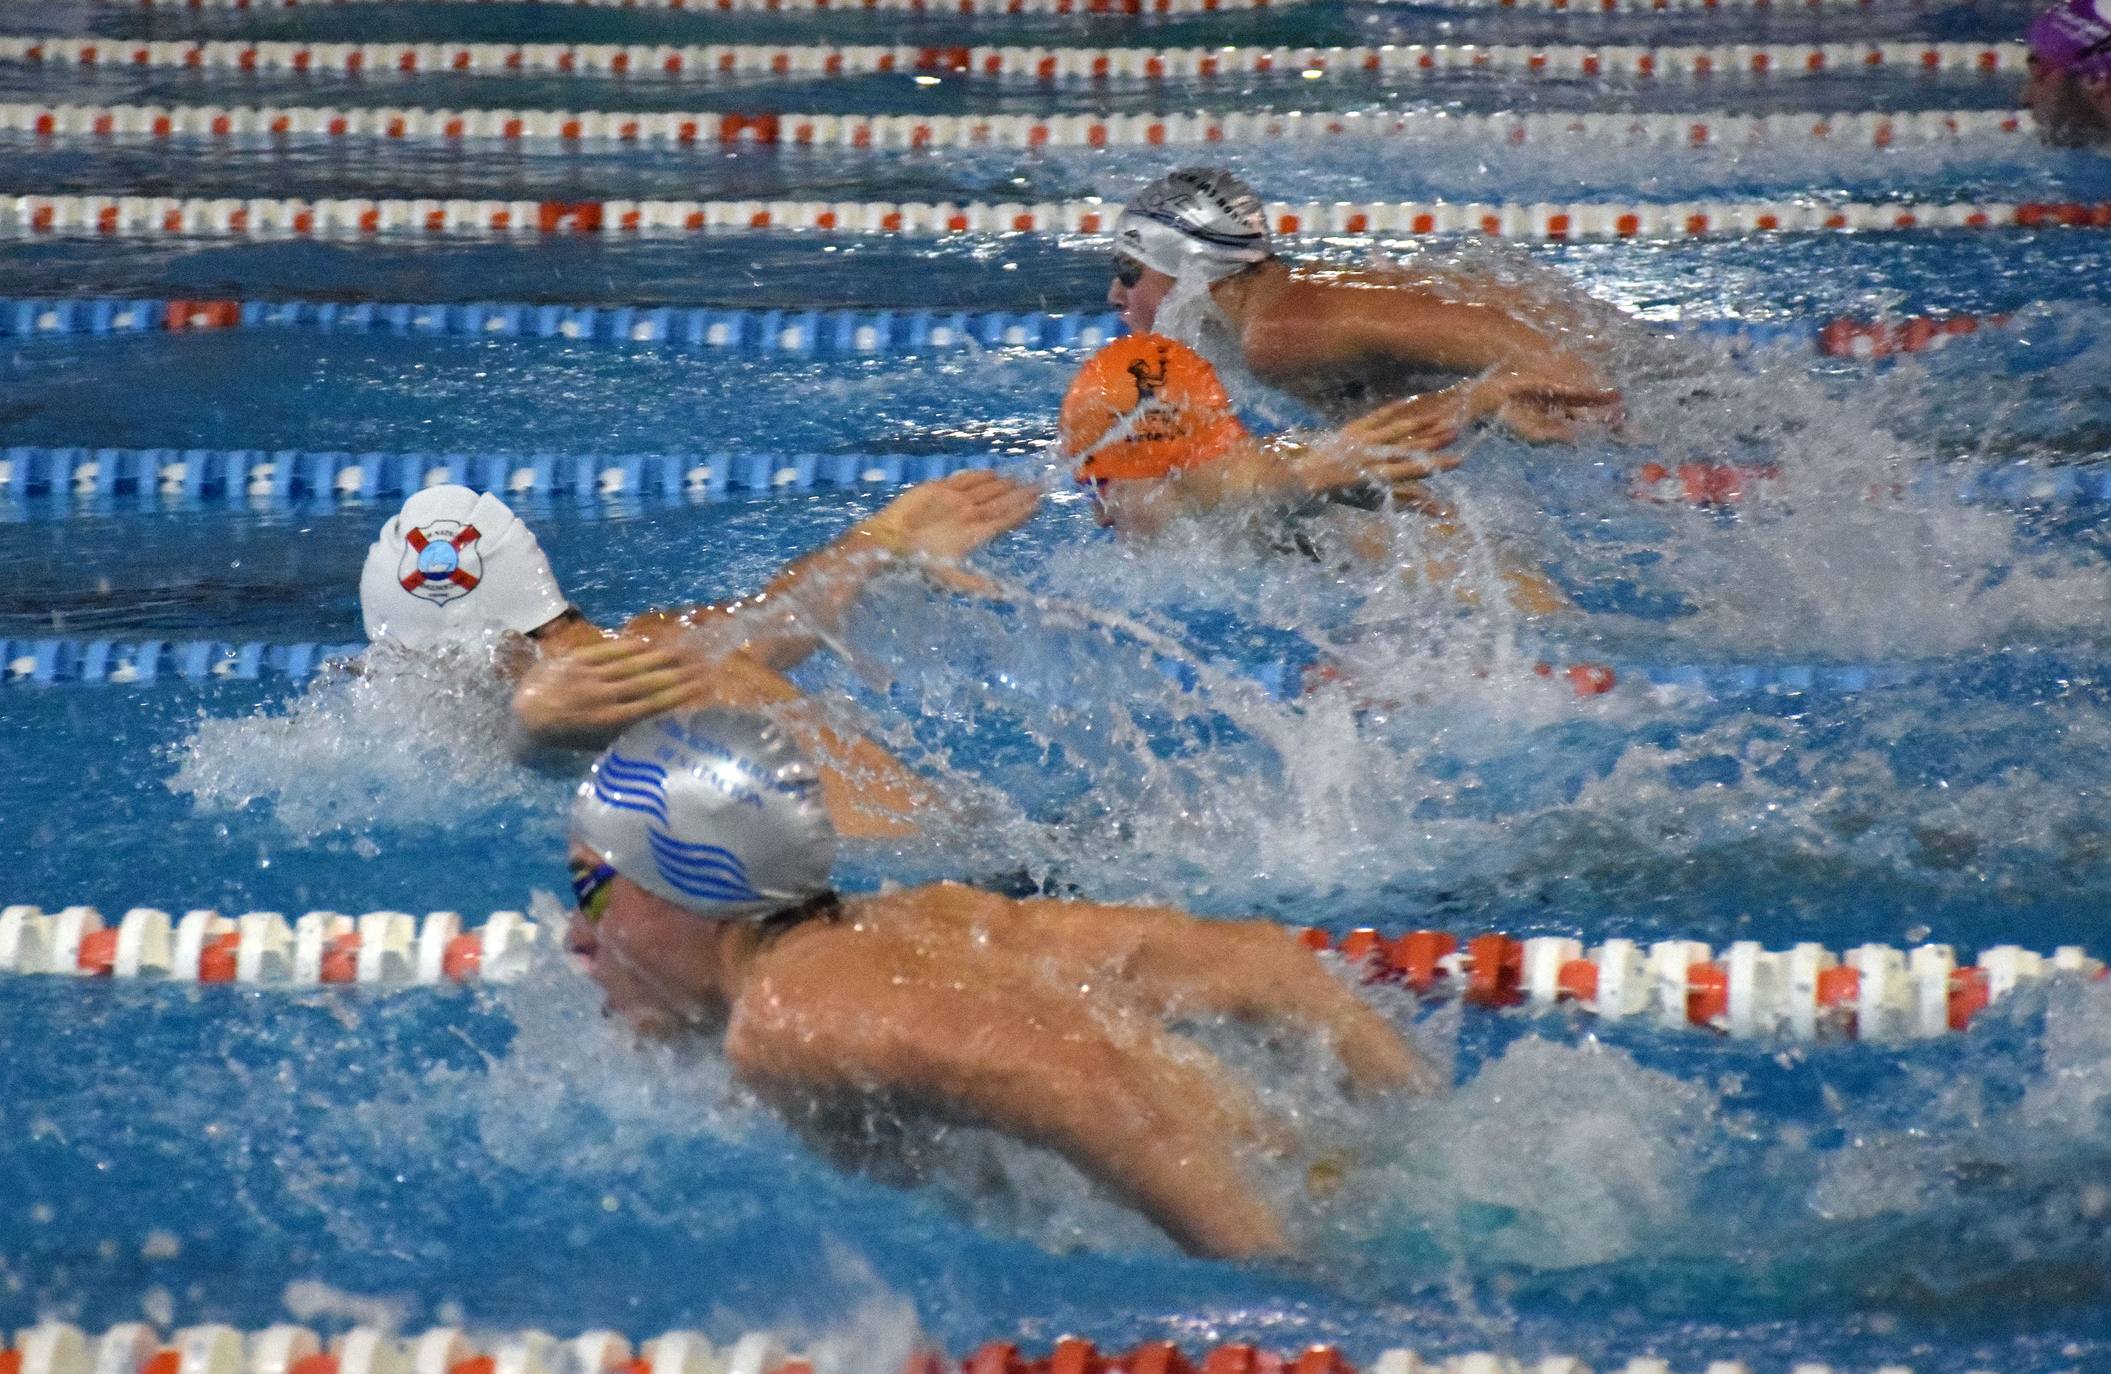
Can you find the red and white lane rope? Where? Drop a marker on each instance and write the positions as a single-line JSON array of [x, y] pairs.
[[1701, 129], [358, 217], [1871, 991], [263, 946], [136, 1348], [1565, 61]]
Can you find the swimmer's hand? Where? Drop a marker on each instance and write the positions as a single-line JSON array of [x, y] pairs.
[[1542, 409], [946, 520], [586, 697], [1391, 449]]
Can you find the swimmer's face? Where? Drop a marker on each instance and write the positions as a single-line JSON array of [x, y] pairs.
[[655, 962], [2071, 112], [1137, 291]]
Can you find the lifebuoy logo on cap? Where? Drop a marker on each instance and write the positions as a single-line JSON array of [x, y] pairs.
[[441, 562]]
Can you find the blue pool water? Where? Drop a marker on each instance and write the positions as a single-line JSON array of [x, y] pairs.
[[1125, 723]]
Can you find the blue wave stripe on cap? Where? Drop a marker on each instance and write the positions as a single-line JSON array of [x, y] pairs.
[[697, 858], [632, 785], [701, 870]]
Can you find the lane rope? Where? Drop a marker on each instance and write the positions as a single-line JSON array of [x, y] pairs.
[[1554, 61], [813, 333], [361, 218], [67, 662], [826, 333], [238, 477], [716, 130], [89, 480], [52, 1347], [1870, 992]]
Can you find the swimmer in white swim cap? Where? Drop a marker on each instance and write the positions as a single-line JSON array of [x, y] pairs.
[[700, 864], [455, 570], [1193, 261]]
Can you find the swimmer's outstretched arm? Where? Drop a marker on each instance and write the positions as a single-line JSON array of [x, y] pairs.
[[939, 522], [1026, 1064], [1318, 326], [1254, 971]]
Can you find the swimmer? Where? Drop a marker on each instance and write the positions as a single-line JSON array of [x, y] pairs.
[[1338, 341], [1155, 439], [2068, 89], [700, 859], [456, 568]]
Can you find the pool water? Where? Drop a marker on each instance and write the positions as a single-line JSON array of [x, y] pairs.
[[1125, 721]]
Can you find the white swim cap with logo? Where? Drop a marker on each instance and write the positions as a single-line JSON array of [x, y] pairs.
[[453, 565], [1199, 220], [717, 811]]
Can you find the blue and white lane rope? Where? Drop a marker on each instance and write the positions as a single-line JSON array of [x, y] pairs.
[[825, 333], [246, 476], [834, 333], [120, 663], [80, 480]]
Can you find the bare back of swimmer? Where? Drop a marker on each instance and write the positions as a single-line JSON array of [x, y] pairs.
[[1045, 1020]]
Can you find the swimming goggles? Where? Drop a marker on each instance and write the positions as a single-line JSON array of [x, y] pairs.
[[1127, 270], [590, 888]]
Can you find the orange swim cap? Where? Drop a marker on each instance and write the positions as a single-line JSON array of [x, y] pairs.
[[1145, 406]]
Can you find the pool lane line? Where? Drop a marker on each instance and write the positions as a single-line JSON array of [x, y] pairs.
[[1736, 63], [823, 333], [360, 218], [246, 478], [58, 483], [714, 130], [97, 663], [1808, 992], [53, 1347]]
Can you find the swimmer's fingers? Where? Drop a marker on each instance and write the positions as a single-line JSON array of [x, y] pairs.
[[1395, 470], [961, 582], [1413, 423]]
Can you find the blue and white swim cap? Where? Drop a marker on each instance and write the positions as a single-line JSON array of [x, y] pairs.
[[715, 810], [1196, 220]]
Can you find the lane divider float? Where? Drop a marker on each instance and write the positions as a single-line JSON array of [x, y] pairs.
[[803, 333], [718, 130], [66, 662], [360, 218], [812, 333], [1870, 992], [1558, 61], [263, 946], [240, 476], [135, 1348], [88, 480]]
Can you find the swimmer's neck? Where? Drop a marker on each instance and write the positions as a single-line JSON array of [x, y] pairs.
[[1241, 291]]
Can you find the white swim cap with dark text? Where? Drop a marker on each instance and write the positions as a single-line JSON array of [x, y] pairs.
[[717, 811], [1196, 220], [452, 566]]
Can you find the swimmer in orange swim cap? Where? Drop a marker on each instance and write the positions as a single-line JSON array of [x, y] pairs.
[[1146, 408], [1155, 438]]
